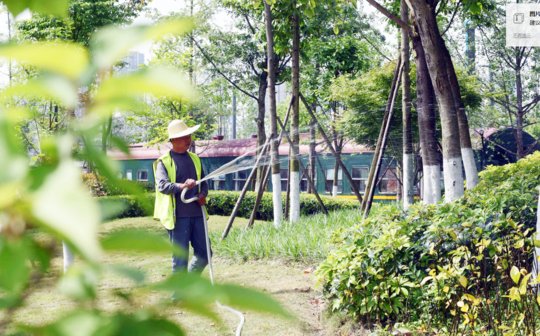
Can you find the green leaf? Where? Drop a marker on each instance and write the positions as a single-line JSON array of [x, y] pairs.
[[12, 160], [157, 81], [64, 58], [63, 204], [56, 7], [14, 255], [524, 284], [9, 300], [79, 322], [250, 299], [463, 281], [110, 208], [111, 44], [120, 143], [79, 283], [129, 272], [194, 291], [140, 326], [136, 241], [54, 88], [515, 274]]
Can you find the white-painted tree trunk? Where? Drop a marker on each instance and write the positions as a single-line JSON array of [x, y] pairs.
[[453, 179], [68, 256], [294, 210], [408, 181], [276, 197], [432, 184], [471, 173], [334, 190]]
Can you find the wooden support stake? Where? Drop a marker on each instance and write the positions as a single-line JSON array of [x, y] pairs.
[[331, 147], [263, 152], [381, 141]]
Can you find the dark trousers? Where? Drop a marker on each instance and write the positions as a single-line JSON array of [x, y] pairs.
[[186, 230]]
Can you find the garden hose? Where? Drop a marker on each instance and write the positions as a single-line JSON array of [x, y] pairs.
[[209, 256]]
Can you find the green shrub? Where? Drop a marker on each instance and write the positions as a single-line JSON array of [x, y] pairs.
[[459, 267], [222, 203]]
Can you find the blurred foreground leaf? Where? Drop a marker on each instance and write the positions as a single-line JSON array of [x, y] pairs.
[[94, 323], [136, 241], [111, 44], [68, 59], [79, 283], [194, 291], [55, 88], [56, 7], [14, 265], [157, 81], [65, 205]]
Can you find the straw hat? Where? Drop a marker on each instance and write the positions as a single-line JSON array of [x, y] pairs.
[[178, 128]]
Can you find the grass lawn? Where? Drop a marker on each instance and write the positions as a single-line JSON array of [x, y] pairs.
[[279, 262]]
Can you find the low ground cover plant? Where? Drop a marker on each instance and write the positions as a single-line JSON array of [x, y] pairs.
[[463, 267], [306, 241]]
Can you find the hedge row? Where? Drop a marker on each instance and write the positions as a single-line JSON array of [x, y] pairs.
[[219, 203]]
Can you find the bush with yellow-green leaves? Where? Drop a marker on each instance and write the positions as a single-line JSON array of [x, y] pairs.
[[461, 267]]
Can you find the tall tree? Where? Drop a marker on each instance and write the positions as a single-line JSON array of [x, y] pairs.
[[514, 84], [408, 155], [294, 177], [271, 59], [425, 106], [455, 131]]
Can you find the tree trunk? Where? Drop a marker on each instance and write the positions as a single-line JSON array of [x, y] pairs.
[[408, 156], [469, 163], [335, 179], [294, 177], [261, 111], [433, 44], [519, 109], [276, 178], [233, 135], [312, 152], [425, 105]]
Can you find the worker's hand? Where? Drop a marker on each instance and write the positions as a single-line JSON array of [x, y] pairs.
[[202, 200], [190, 184]]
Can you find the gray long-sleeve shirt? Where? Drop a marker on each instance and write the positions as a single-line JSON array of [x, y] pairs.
[[185, 169]]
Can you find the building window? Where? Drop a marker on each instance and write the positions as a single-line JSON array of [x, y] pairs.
[[219, 182], [240, 179], [284, 175], [360, 176], [388, 183], [142, 175], [129, 174], [330, 180]]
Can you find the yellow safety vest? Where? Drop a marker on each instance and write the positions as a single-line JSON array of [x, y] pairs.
[[165, 205]]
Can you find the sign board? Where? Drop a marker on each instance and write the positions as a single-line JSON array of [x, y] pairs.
[[523, 25]]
